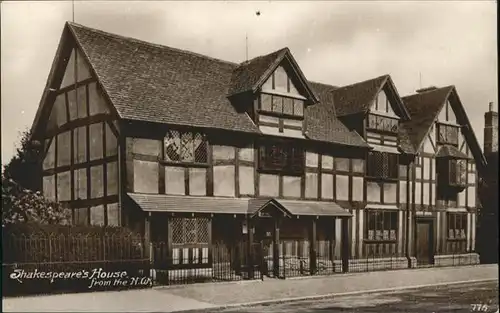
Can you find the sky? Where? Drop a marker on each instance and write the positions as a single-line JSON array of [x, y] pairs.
[[419, 43]]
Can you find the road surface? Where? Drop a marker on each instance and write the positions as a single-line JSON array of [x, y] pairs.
[[476, 297]]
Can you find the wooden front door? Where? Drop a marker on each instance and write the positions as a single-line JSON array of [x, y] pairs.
[[425, 242]]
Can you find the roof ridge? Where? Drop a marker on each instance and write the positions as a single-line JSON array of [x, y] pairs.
[[428, 91], [263, 56], [323, 84], [155, 45], [364, 81]]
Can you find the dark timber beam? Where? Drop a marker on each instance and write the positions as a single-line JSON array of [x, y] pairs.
[[147, 236], [276, 249], [312, 246], [250, 265], [344, 241]]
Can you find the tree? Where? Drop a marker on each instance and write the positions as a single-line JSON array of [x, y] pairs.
[[25, 168], [21, 205]]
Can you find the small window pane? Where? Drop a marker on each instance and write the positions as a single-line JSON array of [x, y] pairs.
[[266, 103], [173, 146], [277, 104], [298, 107], [288, 106]]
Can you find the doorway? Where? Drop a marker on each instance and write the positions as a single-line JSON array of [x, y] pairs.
[[425, 242]]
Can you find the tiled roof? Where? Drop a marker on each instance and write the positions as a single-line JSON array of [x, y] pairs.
[[154, 83], [246, 75], [358, 97], [451, 151], [159, 84], [321, 116], [314, 208], [187, 204], [423, 107]]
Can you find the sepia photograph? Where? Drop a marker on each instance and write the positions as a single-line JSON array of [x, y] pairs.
[[249, 156]]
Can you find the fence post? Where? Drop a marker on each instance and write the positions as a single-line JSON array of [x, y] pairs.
[[312, 247], [147, 235], [50, 249], [105, 238], [250, 266], [345, 244]]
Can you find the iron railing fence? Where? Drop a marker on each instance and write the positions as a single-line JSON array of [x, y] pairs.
[[50, 263], [219, 261]]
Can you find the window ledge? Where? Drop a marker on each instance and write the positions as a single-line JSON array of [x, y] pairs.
[[382, 179], [184, 164], [456, 239], [280, 172], [372, 241]]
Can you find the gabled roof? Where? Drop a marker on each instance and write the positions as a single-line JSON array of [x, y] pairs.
[[247, 75], [424, 108], [358, 98], [159, 84], [251, 75]]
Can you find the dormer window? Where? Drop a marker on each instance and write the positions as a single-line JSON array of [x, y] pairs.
[[281, 105], [447, 134], [383, 123]]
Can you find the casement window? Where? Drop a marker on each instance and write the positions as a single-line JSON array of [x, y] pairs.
[[447, 134], [189, 231], [281, 157], [383, 123], [281, 105], [381, 225], [185, 147], [382, 165], [457, 226]]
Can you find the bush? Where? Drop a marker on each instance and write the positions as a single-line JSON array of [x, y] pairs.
[[20, 205]]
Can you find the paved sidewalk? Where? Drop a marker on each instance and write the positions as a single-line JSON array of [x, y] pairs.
[[210, 296]]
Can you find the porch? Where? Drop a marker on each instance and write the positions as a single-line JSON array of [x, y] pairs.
[[195, 239]]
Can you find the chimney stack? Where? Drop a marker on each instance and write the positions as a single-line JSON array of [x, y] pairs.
[[490, 131], [426, 89]]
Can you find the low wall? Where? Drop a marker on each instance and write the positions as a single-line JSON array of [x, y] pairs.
[[366, 265], [457, 259]]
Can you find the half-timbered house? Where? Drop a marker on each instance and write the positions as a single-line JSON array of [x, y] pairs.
[[196, 152]]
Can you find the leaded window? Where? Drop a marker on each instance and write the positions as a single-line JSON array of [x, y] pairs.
[[282, 157], [447, 134], [383, 123], [457, 226], [382, 165], [187, 147], [381, 225], [189, 231], [282, 105]]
